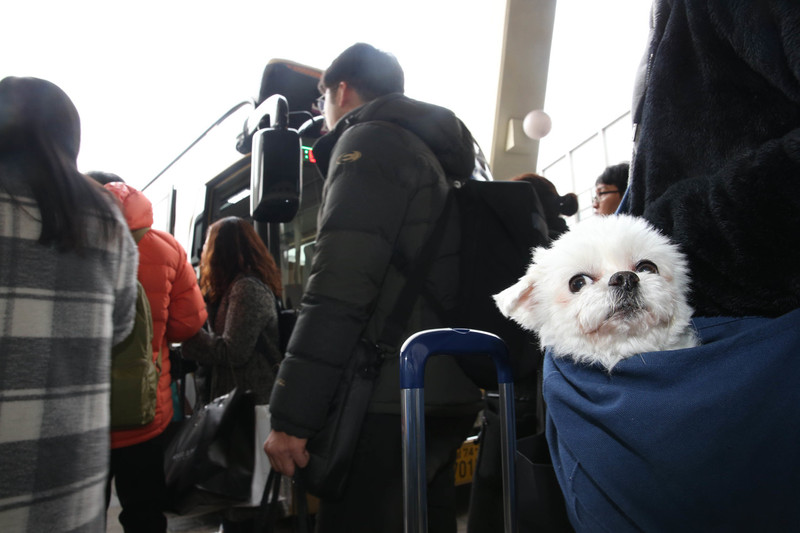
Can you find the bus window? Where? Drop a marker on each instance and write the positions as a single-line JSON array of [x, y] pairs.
[[164, 212]]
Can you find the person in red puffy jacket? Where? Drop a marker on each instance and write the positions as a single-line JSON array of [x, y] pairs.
[[179, 311]]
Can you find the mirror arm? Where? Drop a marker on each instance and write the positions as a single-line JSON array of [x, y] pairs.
[[271, 113]]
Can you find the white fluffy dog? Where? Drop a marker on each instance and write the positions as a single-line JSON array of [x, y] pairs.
[[609, 288]]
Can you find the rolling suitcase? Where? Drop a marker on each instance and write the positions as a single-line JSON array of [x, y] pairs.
[[413, 356]]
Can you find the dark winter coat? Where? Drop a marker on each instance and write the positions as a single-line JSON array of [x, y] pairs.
[[242, 347], [387, 164], [717, 163]]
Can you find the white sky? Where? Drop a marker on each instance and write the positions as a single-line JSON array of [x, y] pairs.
[[597, 47], [148, 77]]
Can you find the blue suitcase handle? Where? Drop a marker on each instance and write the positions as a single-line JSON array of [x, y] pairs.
[[414, 355], [453, 341]]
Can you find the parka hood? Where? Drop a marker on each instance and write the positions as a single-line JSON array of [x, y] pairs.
[[138, 210], [439, 128]]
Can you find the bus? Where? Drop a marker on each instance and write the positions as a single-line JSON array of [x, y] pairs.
[[213, 178]]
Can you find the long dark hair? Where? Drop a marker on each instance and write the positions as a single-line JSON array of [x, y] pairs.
[[553, 203], [39, 141], [232, 248]]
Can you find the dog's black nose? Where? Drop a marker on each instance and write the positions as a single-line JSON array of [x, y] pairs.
[[625, 280]]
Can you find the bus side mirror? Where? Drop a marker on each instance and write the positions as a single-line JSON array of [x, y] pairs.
[[276, 160]]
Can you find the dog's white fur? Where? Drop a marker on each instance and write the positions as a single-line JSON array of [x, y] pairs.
[[601, 323]]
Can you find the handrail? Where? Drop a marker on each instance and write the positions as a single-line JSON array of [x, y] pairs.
[[214, 125]]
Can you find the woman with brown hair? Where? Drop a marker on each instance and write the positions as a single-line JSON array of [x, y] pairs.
[[240, 282]]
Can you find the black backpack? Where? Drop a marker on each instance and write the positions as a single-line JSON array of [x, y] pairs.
[[501, 222]]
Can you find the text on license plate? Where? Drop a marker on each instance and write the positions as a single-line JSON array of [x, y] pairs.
[[466, 461]]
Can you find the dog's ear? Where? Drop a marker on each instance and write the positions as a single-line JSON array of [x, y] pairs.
[[510, 300]]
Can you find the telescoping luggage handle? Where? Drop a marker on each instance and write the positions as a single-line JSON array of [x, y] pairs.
[[413, 356]]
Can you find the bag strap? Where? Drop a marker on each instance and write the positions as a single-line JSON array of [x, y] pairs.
[[137, 236], [396, 321], [299, 494], [268, 509], [395, 324]]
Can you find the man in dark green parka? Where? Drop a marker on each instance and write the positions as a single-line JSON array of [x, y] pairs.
[[387, 160]]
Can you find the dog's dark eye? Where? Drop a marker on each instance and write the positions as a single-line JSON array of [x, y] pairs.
[[578, 282], [646, 266]]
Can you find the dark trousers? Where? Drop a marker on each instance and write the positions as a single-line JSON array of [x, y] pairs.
[[138, 474], [373, 499]]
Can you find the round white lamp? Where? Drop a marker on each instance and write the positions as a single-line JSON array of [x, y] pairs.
[[537, 124]]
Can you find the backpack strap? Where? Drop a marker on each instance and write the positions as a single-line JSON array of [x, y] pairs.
[[415, 274], [396, 321], [139, 233], [137, 236]]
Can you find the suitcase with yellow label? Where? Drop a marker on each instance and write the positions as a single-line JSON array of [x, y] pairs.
[[413, 357]]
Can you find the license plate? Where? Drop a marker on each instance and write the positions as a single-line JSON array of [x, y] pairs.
[[466, 461]]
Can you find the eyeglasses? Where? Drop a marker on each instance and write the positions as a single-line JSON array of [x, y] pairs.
[[596, 196], [321, 103]]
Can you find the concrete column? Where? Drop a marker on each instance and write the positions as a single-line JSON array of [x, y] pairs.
[[523, 78]]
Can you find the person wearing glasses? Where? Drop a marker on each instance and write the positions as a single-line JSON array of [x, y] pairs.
[[387, 160], [610, 188]]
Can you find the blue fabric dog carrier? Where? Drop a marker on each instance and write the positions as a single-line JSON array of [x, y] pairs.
[[700, 439]]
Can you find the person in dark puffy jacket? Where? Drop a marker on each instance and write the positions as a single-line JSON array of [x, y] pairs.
[[387, 160], [178, 310]]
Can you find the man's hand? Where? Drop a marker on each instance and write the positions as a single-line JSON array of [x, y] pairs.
[[285, 451]]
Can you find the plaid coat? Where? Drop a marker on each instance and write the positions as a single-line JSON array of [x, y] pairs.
[[60, 313]]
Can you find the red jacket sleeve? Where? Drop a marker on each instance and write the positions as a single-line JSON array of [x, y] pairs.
[[187, 309]]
